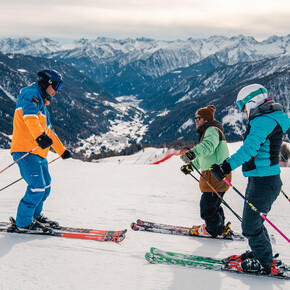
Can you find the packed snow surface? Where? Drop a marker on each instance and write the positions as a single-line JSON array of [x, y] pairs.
[[110, 194]]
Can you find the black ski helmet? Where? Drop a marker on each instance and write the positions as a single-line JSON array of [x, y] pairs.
[[49, 77]]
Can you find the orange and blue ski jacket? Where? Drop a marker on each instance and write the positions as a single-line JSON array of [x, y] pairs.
[[31, 119]]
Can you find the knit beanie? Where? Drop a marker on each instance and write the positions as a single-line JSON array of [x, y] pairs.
[[207, 112]]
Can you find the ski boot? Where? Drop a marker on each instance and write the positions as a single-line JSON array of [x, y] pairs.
[[199, 231], [227, 232], [35, 227], [254, 266], [47, 222], [239, 258], [247, 263]]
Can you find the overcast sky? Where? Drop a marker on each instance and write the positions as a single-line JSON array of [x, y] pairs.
[[158, 19]]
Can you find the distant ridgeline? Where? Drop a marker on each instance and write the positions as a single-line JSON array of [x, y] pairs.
[[119, 93]]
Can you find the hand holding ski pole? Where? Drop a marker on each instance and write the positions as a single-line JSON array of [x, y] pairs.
[[187, 169], [187, 157]]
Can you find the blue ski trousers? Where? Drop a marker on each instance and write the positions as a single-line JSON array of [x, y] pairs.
[[261, 192], [34, 170]]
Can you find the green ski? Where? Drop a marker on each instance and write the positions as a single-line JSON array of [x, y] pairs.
[[157, 256]]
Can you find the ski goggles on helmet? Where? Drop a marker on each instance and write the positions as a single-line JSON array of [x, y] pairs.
[[241, 103], [56, 86]]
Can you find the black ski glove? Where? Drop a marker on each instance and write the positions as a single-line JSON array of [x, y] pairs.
[[220, 171], [186, 169], [66, 154], [44, 141], [187, 157]]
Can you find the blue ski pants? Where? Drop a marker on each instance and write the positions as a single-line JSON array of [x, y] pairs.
[[34, 170], [261, 192]]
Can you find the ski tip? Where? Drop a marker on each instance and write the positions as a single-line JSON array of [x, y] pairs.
[[140, 222], [134, 227], [121, 238], [116, 238], [150, 258]]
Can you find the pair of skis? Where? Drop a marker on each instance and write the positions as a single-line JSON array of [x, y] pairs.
[[157, 256], [77, 233], [141, 225]]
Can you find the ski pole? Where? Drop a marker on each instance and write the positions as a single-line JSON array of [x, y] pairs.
[[223, 201], [255, 209], [11, 183], [285, 195], [22, 178], [18, 159], [194, 177]]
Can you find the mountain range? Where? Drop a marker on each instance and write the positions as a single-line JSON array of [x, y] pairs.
[[121, 92]]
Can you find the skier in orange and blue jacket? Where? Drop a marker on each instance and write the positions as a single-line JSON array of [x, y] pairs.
[[33, 133]]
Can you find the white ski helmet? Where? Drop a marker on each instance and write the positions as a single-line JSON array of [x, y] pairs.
[[251, 97]]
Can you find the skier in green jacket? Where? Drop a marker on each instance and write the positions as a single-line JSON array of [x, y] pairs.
[[212, 148]]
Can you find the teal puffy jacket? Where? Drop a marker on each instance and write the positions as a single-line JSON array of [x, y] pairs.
[[259, 153]]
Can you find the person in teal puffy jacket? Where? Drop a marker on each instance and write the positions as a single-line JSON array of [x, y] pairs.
[[259, 157]]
